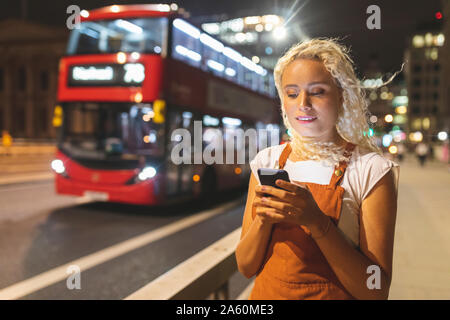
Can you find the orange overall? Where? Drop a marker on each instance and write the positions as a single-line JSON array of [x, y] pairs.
[[294, 268]]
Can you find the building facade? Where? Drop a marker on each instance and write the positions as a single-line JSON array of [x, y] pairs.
[[427, 84], [29, 57]]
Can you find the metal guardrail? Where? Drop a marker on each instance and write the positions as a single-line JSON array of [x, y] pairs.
[[205, 273]]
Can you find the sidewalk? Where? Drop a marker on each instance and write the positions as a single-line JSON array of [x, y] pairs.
[[421, 267], [25, 167]]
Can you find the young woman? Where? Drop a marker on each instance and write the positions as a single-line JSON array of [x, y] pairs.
[[329, 233]]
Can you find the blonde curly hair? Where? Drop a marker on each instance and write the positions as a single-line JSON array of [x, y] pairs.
[[352, 123]]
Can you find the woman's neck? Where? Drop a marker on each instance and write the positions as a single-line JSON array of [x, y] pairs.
[[336, 139]]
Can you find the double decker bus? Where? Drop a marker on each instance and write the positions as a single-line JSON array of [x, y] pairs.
[[131, 76]]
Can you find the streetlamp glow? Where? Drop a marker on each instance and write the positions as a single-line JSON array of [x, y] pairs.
[[279, 33]]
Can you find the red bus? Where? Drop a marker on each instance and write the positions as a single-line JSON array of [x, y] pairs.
[[133, 74]]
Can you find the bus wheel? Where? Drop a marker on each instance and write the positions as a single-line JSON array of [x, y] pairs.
[[209, 183]]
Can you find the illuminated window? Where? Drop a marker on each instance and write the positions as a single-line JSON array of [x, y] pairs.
[[186, 45], [418, 41], [416, 124]]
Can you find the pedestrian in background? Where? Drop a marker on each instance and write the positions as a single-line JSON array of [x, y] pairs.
[[445, 157], [401, 150], [422, 152]]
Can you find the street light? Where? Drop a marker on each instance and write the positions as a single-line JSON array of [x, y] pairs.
[[279, 33]]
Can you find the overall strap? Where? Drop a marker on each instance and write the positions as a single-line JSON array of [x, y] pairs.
[[339, 170], [284, 155]]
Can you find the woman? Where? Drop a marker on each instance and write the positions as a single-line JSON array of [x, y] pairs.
[[329, 233]]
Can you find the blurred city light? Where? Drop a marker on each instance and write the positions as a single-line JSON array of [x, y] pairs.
[[400, 101], [388, 118], [121, 57], [165, 7], [426, 123], [135, 55], [279, 33], [211, 42], [393, 149], [186, 28], [418, 41], [401, 110], [255, 59], [442, 135], [231, 121], [215, 65], [387, 139], [84, 13], [416, 136], [58, 166], [128, 26], [147, 173], [138, 97], [188, 53]]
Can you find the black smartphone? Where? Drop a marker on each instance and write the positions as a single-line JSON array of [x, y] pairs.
[[269, 176]]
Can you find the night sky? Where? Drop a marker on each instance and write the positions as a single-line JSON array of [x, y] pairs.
[[318, 18]]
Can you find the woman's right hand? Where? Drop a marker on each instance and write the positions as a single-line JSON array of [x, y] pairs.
[[267, 215]]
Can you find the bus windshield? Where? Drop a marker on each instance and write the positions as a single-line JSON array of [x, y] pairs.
[[101, 131], [146, 35]]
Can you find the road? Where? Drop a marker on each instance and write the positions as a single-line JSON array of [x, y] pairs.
[[40, 231]]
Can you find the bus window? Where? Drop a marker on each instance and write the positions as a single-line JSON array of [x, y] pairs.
[[186, 44], [103, 130], [248, 78], [272, 89], [212, 58], [233, 68], [127, 35]]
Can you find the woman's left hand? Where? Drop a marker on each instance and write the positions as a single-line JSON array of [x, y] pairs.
[[294, 204]]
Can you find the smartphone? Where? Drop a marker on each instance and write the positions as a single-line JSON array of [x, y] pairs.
[[269, 176]]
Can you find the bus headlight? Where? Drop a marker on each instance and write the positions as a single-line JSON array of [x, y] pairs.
[[58, 166], [147, 173]]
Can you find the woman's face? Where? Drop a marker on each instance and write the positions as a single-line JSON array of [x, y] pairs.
[[311, 99]]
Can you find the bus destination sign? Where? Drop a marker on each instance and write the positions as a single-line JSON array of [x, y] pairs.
[[123, 75]]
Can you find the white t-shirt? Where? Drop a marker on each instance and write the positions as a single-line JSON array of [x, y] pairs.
[[364, 170]]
